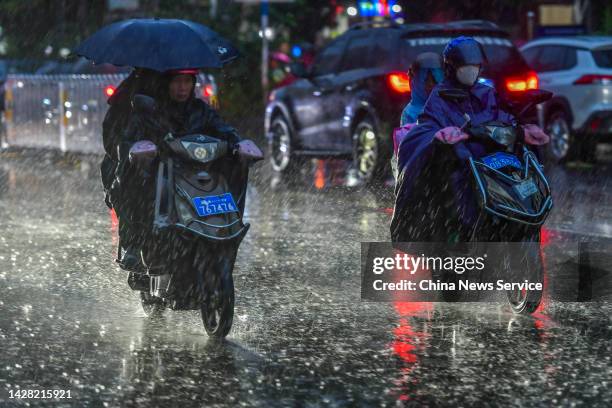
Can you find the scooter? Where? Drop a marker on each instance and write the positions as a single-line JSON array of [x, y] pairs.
[[200, 189], [513, 194]]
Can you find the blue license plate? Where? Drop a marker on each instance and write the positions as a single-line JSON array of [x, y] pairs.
[[502, 159], [211, 205]]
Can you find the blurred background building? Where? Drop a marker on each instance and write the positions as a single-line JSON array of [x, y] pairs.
[[38, 35]]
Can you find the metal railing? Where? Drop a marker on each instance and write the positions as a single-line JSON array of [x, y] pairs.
[[63, 112]]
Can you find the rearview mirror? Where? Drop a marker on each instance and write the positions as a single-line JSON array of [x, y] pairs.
[[143, 152], [537, 96], [249, 151], [532, 96], [519, 103]]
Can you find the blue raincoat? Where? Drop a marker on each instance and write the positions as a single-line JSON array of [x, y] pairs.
[[418, 95], [434, 199]]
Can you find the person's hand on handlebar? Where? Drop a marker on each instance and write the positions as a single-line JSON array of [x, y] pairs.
[[534, 135], [451, 135]]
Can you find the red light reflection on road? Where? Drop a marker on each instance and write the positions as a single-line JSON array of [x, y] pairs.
[[408, 341], [114, 228]]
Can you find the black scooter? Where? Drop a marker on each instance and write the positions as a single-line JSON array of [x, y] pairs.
[[513, 194], [200, 188]]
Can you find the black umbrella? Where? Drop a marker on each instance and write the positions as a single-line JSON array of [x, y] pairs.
[[159, 44]]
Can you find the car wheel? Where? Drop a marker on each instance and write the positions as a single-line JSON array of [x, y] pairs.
[[369, 153], [280, 146], [559, 130]]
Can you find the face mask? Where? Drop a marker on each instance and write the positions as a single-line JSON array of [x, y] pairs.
[[468, 74]]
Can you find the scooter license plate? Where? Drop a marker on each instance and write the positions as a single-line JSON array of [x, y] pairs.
[[526, 188], [212, 205], [502, 159]]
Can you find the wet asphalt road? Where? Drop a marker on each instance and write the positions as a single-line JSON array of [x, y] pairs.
[[301, 335]]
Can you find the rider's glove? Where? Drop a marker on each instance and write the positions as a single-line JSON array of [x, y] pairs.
[[535, 136], [451, 135]]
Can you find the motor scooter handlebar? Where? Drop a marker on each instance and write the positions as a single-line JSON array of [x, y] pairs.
[[500, 134]]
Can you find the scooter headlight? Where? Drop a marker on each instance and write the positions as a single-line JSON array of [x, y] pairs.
[[202, 152]]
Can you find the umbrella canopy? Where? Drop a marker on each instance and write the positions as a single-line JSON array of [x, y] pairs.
[[158, 44]]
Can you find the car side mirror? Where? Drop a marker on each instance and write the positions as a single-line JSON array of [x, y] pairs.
[[299, 70], [143, 104]]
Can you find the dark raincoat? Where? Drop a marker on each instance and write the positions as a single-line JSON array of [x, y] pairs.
[[133, 197], [434, 199], [116, 119]]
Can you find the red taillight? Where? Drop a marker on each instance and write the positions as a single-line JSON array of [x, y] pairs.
[[591, 79], [208, 91], [522, 84], [532, 81], [109, 90], [399, 82], [595, 124]]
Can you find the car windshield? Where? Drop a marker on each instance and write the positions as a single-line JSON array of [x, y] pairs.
[[504, 59], [603, 58]]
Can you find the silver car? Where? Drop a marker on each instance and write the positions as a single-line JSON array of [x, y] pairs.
[[579, 72]]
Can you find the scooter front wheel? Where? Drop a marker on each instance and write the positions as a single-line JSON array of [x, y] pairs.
[[218, 305], [523, 301], [151, 305]]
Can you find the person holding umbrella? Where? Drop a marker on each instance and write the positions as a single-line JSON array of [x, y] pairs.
[[168, 54], [179, 112]]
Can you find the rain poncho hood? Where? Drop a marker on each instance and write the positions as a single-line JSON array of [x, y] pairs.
[[424, 64], [434, 197], [459, 52]]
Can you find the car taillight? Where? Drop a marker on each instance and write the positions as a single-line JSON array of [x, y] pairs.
[[530, 81], [109, 90], [208, 91], [399, 82], [594, 79]]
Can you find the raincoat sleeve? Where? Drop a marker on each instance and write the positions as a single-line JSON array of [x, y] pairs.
[[218, 127], [418, 143], [133, 132], [415, 155]]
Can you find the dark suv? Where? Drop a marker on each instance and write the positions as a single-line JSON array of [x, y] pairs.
[[351, 98]]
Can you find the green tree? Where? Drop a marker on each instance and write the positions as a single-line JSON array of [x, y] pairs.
[[30, 26]]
